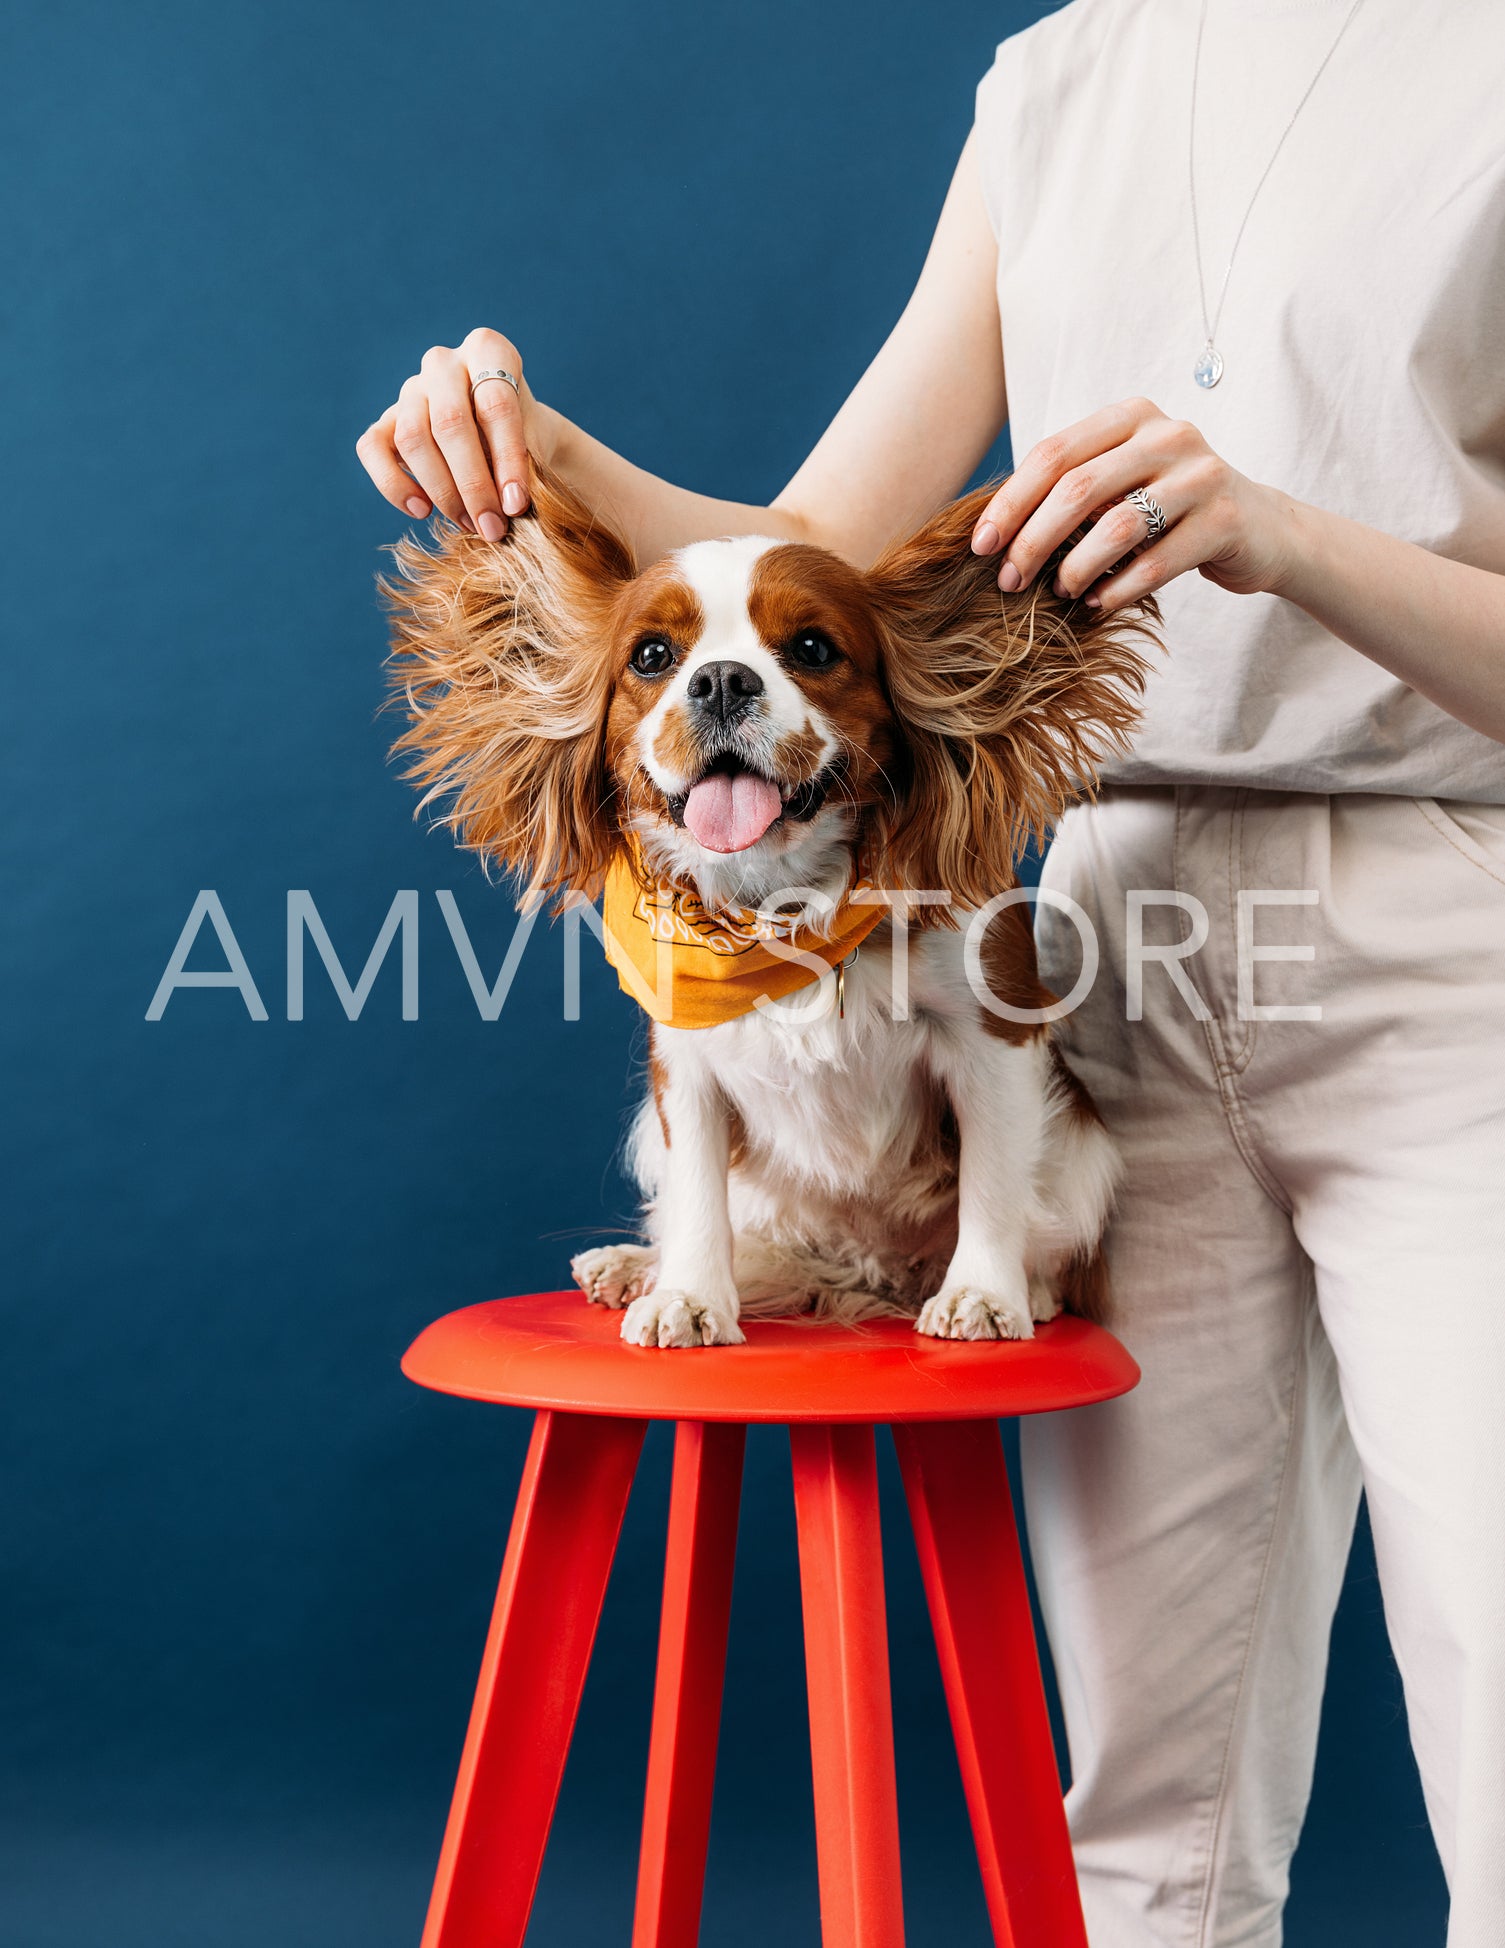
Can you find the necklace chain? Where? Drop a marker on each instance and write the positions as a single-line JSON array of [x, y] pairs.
[[1209, 368]]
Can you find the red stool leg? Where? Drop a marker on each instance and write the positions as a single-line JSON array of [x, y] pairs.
[[956, 1481], [698, 1565], [559, 1554], [846, 1667]]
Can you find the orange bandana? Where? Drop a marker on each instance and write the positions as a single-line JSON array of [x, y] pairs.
[[694, 969]]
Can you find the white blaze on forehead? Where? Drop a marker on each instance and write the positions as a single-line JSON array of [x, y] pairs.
[[720, 573]]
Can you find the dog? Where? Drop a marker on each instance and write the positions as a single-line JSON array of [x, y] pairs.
[[803, 787]]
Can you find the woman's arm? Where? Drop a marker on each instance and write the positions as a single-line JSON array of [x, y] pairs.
[[912, 432], [1437, 624]]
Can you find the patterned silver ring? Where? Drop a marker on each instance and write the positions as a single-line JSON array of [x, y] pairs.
[[506, 378], [1152, 511]]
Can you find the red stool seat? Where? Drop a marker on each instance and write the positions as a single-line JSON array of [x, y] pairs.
[[831, 1385]]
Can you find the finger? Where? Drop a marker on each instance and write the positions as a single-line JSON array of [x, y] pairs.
[[452, 421], [499, 413], [1120, 529], [1044, 465], [416, 449], [1079, 495], [377, 452], [1185, 546]]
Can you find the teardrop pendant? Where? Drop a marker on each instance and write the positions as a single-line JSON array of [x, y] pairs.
[[1209, 367]]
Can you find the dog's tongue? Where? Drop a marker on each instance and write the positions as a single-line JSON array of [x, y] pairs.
[[728, 814]]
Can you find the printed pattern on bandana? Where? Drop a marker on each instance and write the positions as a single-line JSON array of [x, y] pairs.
[[690, 968]]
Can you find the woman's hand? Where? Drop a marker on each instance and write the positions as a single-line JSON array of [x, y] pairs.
[[1235, 532], [440, 445]]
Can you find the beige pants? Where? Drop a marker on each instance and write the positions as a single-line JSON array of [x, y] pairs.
[[1309, 1264]]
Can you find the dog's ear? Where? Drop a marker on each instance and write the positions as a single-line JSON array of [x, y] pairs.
[[500, 654], [1006, 704]]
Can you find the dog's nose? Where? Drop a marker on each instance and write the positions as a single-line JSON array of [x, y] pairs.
[[724, 690]]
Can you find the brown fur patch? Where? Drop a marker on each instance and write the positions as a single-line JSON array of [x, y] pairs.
[[1084, 1286], [1012, 974], [736, 1137], [1082, 1105], [659, 603], [797, 756], [676, 745], [1084, 1282], [795, 588]]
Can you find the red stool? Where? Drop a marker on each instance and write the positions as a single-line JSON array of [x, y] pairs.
[[830, 1384]]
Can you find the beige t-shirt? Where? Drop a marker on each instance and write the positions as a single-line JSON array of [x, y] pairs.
[[1363, 330]]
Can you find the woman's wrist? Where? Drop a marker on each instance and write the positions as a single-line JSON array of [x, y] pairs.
[[545, 431], [1295, 550]]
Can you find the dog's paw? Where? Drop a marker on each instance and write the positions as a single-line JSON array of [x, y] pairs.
[[614, 1275], [964, 1312], [1044, 1298], [678, 1319]]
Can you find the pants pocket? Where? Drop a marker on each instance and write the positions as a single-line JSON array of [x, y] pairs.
[[1477, 832]]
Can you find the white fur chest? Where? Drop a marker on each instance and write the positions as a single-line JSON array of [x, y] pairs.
[[837, 1103]]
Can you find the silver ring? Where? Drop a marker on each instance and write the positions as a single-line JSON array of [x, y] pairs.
[[505, 377], [1152, 511]]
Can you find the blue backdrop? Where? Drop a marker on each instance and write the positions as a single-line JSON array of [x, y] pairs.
[[246, 1567]]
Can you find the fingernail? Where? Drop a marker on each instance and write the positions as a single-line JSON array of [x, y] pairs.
[[491, 526], [1058, 587], [986, 539], [466, 523], [514, 497], [1093, 602], [417, 506], [1009, 577]]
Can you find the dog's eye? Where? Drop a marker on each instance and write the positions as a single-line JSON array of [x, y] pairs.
[[813, 650], [652, 656]]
